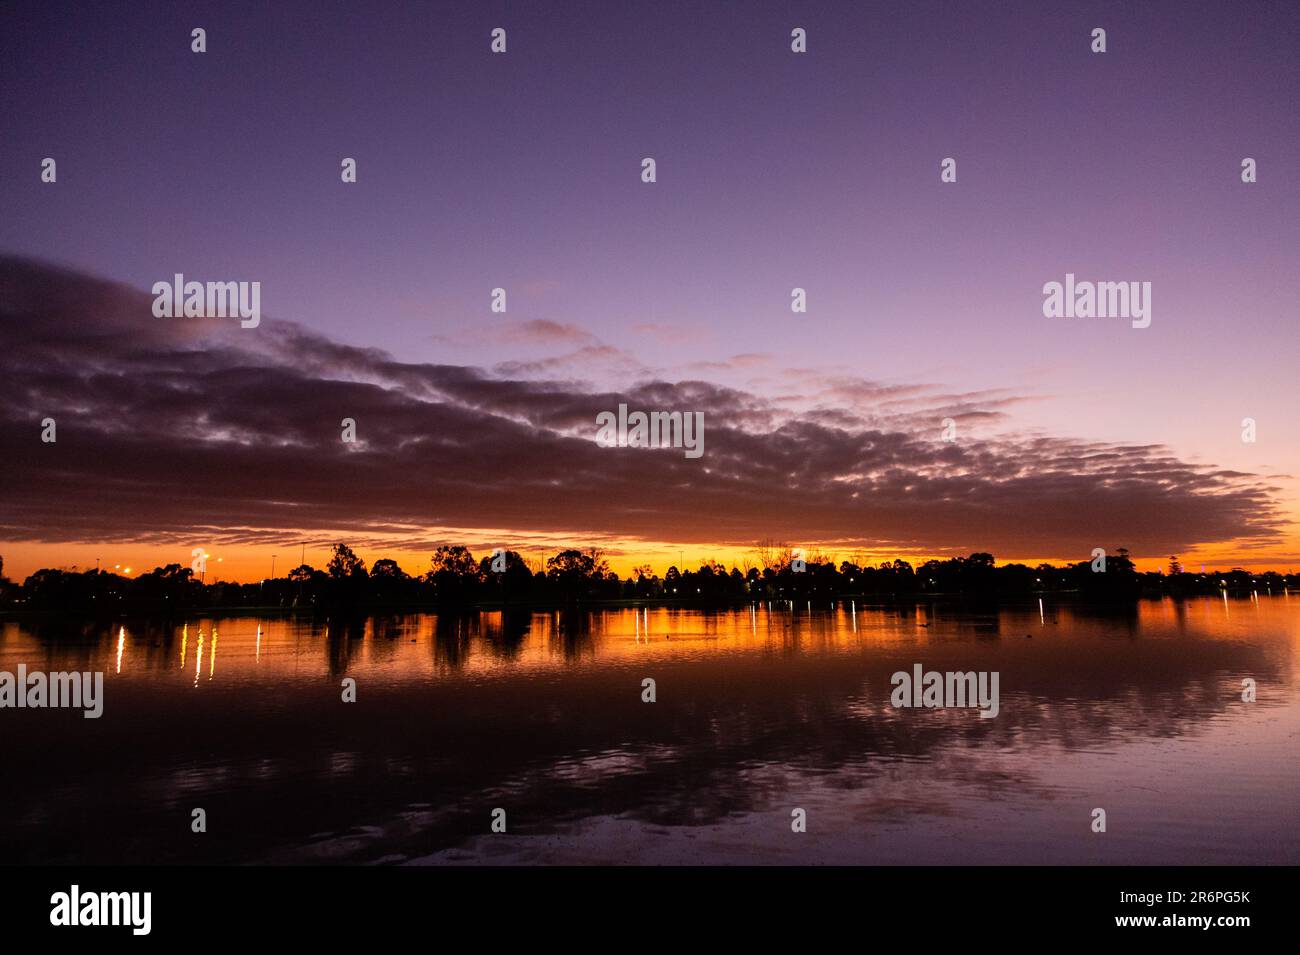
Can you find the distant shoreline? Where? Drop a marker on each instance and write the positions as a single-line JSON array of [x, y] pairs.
[[1068, 597], [457, 581]]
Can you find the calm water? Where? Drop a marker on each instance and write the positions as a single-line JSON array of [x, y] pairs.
[[758, 712]]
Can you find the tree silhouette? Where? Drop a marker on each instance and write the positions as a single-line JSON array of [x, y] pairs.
[[573, 572], [345, 563], [456, 578], [387, 568]]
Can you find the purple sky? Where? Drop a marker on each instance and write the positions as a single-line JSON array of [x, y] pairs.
[[775, 170]]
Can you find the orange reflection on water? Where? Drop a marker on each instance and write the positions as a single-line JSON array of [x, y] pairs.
[[407, 648]]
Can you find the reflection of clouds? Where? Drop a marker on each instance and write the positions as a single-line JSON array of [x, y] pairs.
[[752, 711], [758, 744], [157, 402], [342, 764], [597, 768]]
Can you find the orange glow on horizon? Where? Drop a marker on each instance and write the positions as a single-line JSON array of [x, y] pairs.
[[253, 564]]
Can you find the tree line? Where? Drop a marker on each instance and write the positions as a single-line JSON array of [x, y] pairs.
[[456, 577]]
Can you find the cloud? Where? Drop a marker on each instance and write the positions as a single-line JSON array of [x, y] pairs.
[[545, 330], [535, 331], [590, 358], [735, 362], [170, 425]]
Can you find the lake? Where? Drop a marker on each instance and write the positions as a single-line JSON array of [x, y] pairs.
[[758, 712]]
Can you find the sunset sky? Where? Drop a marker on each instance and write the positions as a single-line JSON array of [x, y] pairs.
[[775, 170]]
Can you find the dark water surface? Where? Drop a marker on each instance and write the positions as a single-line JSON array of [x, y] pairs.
[[759, 711]]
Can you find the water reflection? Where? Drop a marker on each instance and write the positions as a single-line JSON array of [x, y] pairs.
[[758, 709]]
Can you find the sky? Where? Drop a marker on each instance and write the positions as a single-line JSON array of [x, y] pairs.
[[522, 171]]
